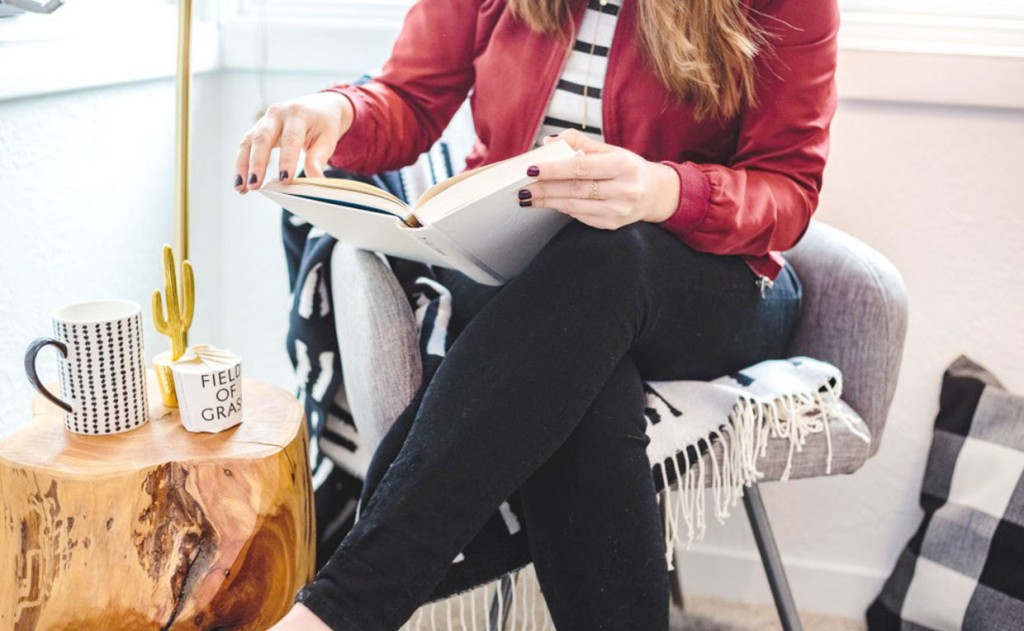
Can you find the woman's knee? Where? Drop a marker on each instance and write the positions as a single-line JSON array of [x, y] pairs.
[[578, 240], [636, 244], [585, 256]]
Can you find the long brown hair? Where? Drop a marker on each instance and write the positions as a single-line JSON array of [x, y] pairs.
[[702, 50]]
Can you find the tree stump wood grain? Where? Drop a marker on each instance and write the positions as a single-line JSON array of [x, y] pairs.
[[156, 528]]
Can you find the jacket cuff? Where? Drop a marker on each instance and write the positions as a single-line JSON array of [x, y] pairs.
[[694, 199], [343, 155]]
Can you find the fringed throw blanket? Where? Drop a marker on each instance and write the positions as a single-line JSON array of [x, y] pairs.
[[703, 434]]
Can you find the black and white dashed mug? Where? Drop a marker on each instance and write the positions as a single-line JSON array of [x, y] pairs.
[[102, 366]]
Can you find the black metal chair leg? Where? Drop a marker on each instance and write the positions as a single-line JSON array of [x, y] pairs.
[[675, 582], [770, 557], [507, 588], [675, 577]]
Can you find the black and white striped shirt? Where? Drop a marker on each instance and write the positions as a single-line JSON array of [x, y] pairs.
[[583, 75]]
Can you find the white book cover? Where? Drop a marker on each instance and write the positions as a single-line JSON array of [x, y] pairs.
[[472, 222]]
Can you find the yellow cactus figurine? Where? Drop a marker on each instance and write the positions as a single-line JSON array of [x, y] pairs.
[[176, 324]]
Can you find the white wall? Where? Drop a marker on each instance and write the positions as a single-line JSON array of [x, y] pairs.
[[85, 205], [85, 199], [245, 244]]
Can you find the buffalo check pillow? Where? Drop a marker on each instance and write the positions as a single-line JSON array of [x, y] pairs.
[[964, 568]]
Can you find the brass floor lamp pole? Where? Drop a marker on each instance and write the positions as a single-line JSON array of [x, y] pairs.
[[184, 85], [180, 304]]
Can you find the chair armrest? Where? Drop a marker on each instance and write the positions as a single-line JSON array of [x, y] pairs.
[[854, 316], [378, 341]]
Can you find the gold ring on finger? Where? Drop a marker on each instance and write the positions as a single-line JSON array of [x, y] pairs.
[[593, 190]]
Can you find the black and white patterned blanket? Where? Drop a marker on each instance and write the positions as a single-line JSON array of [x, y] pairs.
[[789, 398]]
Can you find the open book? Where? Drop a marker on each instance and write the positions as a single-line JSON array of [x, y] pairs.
[[471, 222]]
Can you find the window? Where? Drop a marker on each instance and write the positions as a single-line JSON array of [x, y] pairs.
[[88, 43], [73, 15], [992, 28], [105, 17], [324, 10], [996, 9], [327, 9]]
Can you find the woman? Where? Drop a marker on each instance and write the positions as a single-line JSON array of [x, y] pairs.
[[704, 126]]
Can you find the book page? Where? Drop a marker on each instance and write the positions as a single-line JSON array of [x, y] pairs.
[[492, 228], [366, 230], [498, 233], [442, 186], [348, 185], [343, 193], [474, 185]]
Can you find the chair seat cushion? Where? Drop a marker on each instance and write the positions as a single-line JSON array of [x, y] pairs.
[[849, 451]]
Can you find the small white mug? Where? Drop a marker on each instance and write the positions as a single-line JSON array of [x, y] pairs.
[[102, 366]]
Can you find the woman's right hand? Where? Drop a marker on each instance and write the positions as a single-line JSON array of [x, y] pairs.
[[314, 123], [300, 619]]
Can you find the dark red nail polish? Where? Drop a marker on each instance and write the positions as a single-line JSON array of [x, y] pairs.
[[252, 178], [533, 171], [524, 203], [238, 180], [525, 194], [283, 175]]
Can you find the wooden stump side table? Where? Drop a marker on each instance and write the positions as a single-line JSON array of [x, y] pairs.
[[156, 528]]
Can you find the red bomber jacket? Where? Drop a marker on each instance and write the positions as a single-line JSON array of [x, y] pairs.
[[748, 184]]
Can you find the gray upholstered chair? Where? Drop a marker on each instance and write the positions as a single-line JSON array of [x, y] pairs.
[[854, 316]]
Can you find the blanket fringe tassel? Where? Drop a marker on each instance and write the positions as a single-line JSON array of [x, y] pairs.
[[523, 610], [733, 452]]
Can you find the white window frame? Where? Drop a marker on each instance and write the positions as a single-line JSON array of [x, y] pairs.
[[318, 11], [85, 45], [976, 30], [999, 9], [945, 52], [960, 52]]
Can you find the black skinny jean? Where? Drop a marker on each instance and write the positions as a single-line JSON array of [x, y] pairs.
[[542, 392]]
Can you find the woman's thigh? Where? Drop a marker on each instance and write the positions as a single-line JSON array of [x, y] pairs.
[[704, 315], [710, 318]]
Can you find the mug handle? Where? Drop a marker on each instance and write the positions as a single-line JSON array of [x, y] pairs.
[[30, 368]]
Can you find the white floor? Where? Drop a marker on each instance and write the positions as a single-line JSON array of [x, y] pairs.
[[709, 614]]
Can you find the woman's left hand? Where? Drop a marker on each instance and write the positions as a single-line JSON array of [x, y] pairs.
[[608, 187]]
